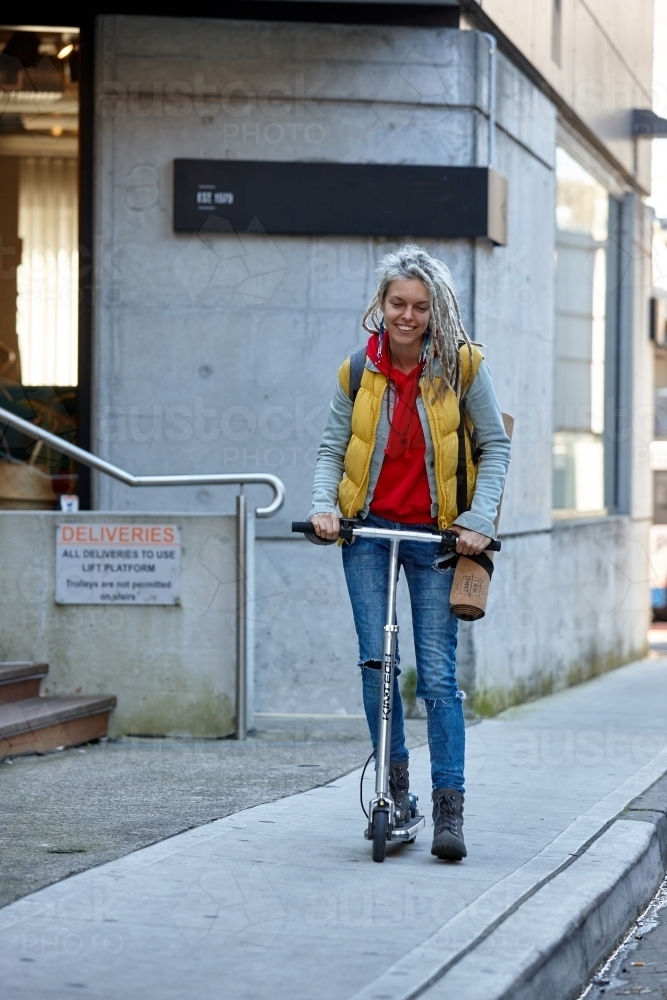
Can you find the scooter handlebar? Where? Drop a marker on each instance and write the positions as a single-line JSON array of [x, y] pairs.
[[448, 538], [304, 527]]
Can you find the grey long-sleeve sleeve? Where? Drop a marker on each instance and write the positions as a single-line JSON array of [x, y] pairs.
[[331, 454], [482, 407]]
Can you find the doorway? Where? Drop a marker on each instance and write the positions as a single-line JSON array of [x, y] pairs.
[[39, 251]]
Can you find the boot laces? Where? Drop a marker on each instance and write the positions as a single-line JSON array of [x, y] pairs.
[[399, 784], [398, 780], [447, 812]]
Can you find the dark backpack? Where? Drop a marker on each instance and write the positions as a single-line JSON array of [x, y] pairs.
[[357, 365]]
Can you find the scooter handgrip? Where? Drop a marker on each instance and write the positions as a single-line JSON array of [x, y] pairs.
[[305, 527], [449, 542]]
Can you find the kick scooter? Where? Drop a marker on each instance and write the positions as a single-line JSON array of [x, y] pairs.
[[381, 826]]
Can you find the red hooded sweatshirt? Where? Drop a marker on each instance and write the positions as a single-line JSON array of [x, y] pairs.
[[402, 492]]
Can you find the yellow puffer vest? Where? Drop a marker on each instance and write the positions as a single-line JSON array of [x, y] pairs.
[[443, 420]]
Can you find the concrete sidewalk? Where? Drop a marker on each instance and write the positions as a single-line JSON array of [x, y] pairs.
[[68, 811], [283, 901]]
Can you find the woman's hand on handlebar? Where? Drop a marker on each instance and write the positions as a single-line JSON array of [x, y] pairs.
[[326, 526], [470, 543]]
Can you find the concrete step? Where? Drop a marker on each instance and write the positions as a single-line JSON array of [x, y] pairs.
[[37, 725], [20, 679]]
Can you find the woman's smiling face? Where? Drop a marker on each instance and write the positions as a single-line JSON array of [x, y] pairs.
[[407, 310]]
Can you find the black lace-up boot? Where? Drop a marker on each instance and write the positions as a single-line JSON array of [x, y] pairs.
[[399, 785], [448, 825]]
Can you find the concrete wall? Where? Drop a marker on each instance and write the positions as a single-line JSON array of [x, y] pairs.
[[171, 668], [605, 66], [565, 605], [220, 352]]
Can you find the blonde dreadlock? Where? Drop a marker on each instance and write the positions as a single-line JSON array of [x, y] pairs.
[[445, 329]]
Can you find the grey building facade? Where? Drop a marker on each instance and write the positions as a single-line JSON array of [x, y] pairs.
[[213, 344], [218, 350]]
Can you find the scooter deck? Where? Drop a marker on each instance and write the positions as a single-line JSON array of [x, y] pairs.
[[407, 832]]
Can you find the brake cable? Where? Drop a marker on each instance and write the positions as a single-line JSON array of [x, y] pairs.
[[361, 783]]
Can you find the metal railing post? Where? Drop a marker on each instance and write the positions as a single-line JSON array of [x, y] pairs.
[[241, 612], [250, 612]]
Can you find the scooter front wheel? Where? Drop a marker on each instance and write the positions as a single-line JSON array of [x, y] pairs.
[[380, 830]]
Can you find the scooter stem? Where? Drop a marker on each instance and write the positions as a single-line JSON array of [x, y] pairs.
[[386, 704]]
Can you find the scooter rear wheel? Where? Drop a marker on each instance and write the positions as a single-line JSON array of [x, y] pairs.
[[380, 829]]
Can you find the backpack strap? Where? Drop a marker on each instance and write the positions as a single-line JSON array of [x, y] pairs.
[[461, 466], [357, 365], [462, 462], [467, 377]]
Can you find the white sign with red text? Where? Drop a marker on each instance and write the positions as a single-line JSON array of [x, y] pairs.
[[118, 563]]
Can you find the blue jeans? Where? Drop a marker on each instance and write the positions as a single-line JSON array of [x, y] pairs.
[[366, 562]]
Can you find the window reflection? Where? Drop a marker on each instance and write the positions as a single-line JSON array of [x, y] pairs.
[[582, 231]]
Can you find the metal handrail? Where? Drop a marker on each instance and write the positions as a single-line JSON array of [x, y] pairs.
[[214, 479], [95, 462]]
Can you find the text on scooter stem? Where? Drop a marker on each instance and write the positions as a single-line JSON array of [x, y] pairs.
[[386, 686]]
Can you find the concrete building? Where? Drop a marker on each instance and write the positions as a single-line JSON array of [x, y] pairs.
[[217, 349]]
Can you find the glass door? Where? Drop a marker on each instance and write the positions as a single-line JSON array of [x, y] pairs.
[[39, 293]]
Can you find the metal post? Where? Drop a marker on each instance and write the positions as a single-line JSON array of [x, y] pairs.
[[386, 705], [493, 49], [241, 608], [250, 621]]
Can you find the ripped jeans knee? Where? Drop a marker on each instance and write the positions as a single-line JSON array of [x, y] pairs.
[[372, 679], [377, 665], [446, 700], [445, 564]]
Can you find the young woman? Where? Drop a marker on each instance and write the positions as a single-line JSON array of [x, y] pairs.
[[389, 455]]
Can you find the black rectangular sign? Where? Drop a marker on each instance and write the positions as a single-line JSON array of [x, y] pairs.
[[340, 199]]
